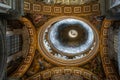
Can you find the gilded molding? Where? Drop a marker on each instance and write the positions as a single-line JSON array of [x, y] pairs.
[[61, 62], [25, 64], [106, 62], [57, 10], [43, 75]]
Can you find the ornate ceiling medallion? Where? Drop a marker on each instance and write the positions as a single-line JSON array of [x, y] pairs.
[[68, 41]]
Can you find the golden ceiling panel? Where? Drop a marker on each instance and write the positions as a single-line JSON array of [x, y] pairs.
[[65, 2], [40, 8], [48, 74]]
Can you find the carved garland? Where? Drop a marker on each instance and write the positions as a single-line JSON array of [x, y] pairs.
[[107, 64], [25, 64]]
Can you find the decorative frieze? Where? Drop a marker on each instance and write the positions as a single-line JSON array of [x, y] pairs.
[[62, 71], [24, 65], [107, 64], [41, 8]]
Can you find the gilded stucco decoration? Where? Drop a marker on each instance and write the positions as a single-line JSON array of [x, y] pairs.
[[110, 71], [25, 64], [72, 72]]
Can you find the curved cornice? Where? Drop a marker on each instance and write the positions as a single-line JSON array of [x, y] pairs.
[[25, 64], [110, 72], [43, 75], [58, 10]]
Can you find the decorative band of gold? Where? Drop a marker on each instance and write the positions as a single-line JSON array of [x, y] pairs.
[[58, 10], [25, 64], [62, 70], [110, 72]]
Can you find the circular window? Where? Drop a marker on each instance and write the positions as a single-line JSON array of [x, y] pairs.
[[68, 41]]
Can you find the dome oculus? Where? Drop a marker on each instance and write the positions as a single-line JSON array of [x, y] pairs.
[[71, 36], [68, 41]]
